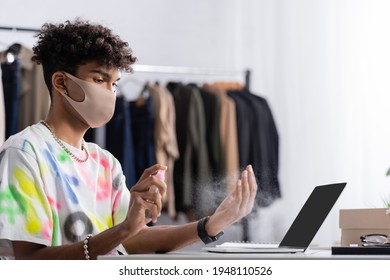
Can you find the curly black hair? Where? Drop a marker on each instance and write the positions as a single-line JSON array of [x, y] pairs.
[[66, 46]]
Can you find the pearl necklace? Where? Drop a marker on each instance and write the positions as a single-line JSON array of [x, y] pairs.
[[62, 145]]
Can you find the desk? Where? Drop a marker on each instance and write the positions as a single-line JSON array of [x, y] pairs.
[[310, 254]]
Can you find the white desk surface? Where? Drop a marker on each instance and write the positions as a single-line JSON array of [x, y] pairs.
[[310, 254]]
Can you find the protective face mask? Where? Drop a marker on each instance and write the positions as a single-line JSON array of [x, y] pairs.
[[98, 105]]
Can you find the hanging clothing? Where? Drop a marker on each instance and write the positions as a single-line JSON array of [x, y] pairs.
[[216, 158], [12, 80], [258, 143], [192, 172], [228, 134], [34, 101], [142, 127], [244, 117], [26, 96], [165, 139], [212, 113], [119, 140], [269, 150], [2, 112], [90, 135]]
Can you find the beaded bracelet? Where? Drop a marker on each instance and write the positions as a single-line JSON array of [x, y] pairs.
[[86, 252]]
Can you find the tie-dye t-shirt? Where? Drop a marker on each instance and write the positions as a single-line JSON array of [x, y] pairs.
[[47, 197]]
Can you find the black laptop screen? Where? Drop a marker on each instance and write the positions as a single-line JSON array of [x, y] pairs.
[[312, 215]]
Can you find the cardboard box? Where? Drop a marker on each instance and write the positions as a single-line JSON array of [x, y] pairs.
[[357, 222]]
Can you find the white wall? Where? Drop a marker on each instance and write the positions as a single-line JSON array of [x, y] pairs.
[[323, 65]]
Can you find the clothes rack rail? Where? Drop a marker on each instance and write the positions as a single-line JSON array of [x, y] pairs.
[[17, 28], [195, 71]]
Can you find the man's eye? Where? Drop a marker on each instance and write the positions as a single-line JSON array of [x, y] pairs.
[[115, 87], [99, 81]]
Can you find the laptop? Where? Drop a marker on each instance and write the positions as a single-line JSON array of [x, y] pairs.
[[302, 230]]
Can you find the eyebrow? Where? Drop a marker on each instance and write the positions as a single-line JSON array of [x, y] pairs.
[[103, 73]]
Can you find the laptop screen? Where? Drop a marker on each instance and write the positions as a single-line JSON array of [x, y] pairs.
[[312, 215]]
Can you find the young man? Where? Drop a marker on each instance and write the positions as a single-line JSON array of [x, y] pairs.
[[62, 198]]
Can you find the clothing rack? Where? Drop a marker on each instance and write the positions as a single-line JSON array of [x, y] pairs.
[[16, 28], [195, 71]]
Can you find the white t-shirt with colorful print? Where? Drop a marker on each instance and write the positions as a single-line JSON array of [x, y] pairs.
[[47, 197]]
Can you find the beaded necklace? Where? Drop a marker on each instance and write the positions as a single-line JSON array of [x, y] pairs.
[[62, 145]]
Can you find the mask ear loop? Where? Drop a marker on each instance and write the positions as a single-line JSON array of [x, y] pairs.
[[65, 92]]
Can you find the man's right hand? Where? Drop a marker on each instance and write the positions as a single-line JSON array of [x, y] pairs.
[[145, 200]]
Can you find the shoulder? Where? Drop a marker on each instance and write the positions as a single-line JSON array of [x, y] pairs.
[[27, 141]]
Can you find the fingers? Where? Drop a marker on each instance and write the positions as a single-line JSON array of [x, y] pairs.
[[252, 182], [148, 204], [151, 181], [246, 190], [148, 193], [152, 171], [156, 185], [152, 205]]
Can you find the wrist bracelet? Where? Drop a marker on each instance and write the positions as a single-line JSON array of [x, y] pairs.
[[86, 241], [202, 233]]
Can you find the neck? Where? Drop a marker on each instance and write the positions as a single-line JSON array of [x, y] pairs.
[[61, 143], [70, 133]]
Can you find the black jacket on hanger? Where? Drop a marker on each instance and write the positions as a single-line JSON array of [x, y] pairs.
[[258, 143]]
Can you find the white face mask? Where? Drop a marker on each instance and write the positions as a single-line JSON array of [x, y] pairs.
[[98, 105]]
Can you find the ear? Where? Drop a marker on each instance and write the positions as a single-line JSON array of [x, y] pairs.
[[58, 80]]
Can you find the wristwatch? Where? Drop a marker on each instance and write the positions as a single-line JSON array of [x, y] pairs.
[[202, 233]]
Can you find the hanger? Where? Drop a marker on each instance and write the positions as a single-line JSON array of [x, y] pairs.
[[123, 82], [140, 101], [229, 85]]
